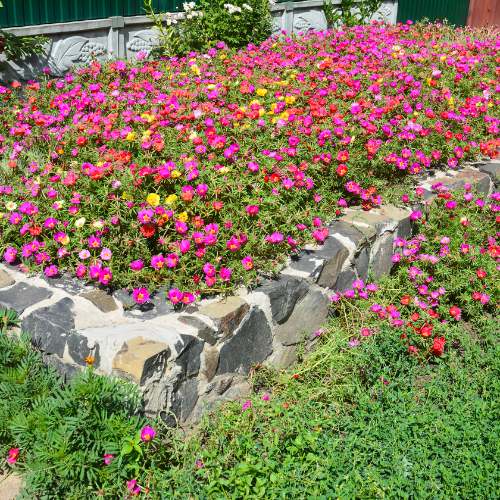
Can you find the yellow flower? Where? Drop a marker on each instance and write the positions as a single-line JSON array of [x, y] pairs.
[[59, 203], [60, 151], [254, 101], [100, 163], [153, 199], [65, 240], [195, 70], [223, 170], [261, 92], [97, 224], [262, 112], [289, 100], [211, 86], [274, 45], [130, 136], [171, 199], [292, 76], [183, 217], [80, 222], [175, 174], [222, 56], [146, 133], [127, 196]]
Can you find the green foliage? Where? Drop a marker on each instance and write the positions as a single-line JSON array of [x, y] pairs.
[[214, 21], [62, 431], [350, 13], [167, 42], [15, 47]]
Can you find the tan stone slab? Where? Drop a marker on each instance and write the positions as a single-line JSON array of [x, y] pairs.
[[6, 279], [103, 301], [137, 357]]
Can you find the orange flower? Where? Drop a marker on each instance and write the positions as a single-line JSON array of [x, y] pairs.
[[89, 360]]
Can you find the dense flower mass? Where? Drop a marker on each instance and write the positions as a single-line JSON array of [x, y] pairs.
[[453, 261], [200, 171]]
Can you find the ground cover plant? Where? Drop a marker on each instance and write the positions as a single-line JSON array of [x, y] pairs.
[[196, 172]]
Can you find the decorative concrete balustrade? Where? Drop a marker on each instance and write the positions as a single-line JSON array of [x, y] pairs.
[[187, 360]]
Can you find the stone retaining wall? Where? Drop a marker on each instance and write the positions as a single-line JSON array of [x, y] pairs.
[[186, 361]]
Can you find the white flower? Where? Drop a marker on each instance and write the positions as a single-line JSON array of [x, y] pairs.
[[192, 5], [189, 16], [246, 6], [98, 224], [10, 205], [80, 222]]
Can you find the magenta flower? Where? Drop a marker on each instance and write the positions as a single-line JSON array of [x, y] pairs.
[[81, 271], [94, 242], [13, 454], [140, 295], [233, 244], [175, 295], [172, 259], [187, 298], [212, 228], [147, 434], [209, 269], [10, 254], [246, 405], [247, 263], [225, 274], [185, 246], [108, 458], [132, 486], [252, 209], [105, 276], [158, 261], [94, 271], [51, 271], [181, 227], [137, 265]]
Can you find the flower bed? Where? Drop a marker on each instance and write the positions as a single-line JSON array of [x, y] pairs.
[[199, 171]]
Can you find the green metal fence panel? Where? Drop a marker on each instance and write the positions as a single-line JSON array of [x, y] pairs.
[[34, 12], [454, 11]]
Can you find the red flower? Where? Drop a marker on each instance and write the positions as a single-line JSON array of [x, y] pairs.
[[438, 346], [147, 230], [455, 311], [218, 205], [414, 317], [480, 273], [405, 300], [341, 170]]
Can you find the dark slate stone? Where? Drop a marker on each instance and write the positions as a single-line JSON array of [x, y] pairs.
[[362, 263], [78, 349], [67, 371], [382, 262], [492, 169], [158, 304], [205, 332], [251, 344], [307, 261], [67, 283], [50, 326], [184, 399], [190, 359], [345, 280], [335, 257], [21, 296], [283, 293], [359, 236]]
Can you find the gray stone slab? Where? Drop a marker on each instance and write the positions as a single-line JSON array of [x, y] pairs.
[[158, 304], [382, 262], [78, 349], [310, 314], [21, 296], [205, 332], [250, 344], [492, 169], [69, 284], [362, 264], [50, 326], [345, 280], [307, 261], [283, 293]]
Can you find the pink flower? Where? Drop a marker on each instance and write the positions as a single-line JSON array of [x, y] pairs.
[[275, 238], [252, 209], [132, 484], [10, 254], [185, 246], [106, 254], [136, 265], [175, 295], [233, 244], [358, 284], [365, 332], [140, 295], [225, 274], [317, 222], [147, 434], [13, 454], [246, 405], [158, 261], [172, 259], [108, 458], [81, 271], [51, 271], [187, 298], [247, 263], [105, 276]]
